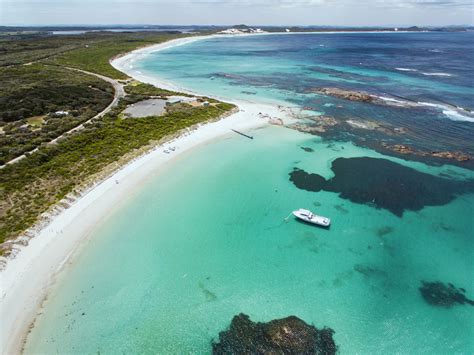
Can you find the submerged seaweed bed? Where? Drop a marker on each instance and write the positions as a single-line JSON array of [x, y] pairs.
[[289, 335], [442, 295], [383, 184]]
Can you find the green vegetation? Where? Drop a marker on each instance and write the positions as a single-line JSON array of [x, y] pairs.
[[94, 55], [36, 122], [22, 49], [137, 88], [140, 89], [35, 81], [90, 51], [40, 90]]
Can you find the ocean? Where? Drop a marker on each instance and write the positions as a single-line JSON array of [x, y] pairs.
[[208, 236]]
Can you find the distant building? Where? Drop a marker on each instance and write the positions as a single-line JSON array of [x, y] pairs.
[[288, 30], [235, 31], [61, 113], [231, 31]]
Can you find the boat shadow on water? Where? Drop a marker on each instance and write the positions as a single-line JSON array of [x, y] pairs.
[[326, 228]]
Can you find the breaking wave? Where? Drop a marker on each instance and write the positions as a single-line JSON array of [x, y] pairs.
[[437, 74], [452, 112], [405, 69], [456, 116]]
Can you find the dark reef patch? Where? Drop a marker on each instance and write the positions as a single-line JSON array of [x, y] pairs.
[[289, 335], [383, 231], [342, 278], [308, 149], [369, 271], [383, 184], [445, 227], [307, 181], [443, 295], [209, 295], [341, 209]]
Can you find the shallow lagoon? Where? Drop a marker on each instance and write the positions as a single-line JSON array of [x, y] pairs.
[[206, 239]]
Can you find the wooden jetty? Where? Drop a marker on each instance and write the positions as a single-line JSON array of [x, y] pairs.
[[242, 134]]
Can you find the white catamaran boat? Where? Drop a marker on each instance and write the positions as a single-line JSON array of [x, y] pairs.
[[310, 217]]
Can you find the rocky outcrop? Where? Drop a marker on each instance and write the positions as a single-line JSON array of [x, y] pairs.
[[346, 94], [320, 124], [276, 121], [459, 156], [404, 149], [362, 96], [289, 335]]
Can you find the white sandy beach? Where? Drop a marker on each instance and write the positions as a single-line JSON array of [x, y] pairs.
[[26, 278]]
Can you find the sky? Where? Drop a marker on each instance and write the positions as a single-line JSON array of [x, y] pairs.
[[229, 12]]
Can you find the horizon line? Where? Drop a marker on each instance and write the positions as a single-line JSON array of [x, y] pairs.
[[227, 25]]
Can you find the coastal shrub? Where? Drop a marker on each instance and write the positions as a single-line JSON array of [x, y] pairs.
[[36, 90], [149, 90], [95, 54]]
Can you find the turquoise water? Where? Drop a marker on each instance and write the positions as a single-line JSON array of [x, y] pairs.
[[206, 238]]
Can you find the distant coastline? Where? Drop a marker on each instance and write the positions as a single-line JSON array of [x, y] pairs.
[[78, 29]]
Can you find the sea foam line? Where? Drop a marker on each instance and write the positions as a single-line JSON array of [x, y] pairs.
[[454, 113], [406, 69], [424, 73], [437, 74]]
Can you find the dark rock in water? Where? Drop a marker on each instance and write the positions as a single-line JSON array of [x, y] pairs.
[[289, 335], [383, 184], [366, 97], [404, 149], [347, 94], [442, 295], [307, 149]]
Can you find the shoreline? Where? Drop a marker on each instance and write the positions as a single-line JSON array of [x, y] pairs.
[[28, 275]]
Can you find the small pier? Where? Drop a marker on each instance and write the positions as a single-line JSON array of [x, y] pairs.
[[242, 134]]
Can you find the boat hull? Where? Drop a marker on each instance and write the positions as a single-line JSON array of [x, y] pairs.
[[314, 219]]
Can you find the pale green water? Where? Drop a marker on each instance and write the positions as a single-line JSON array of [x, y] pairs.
[[205, 239]]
